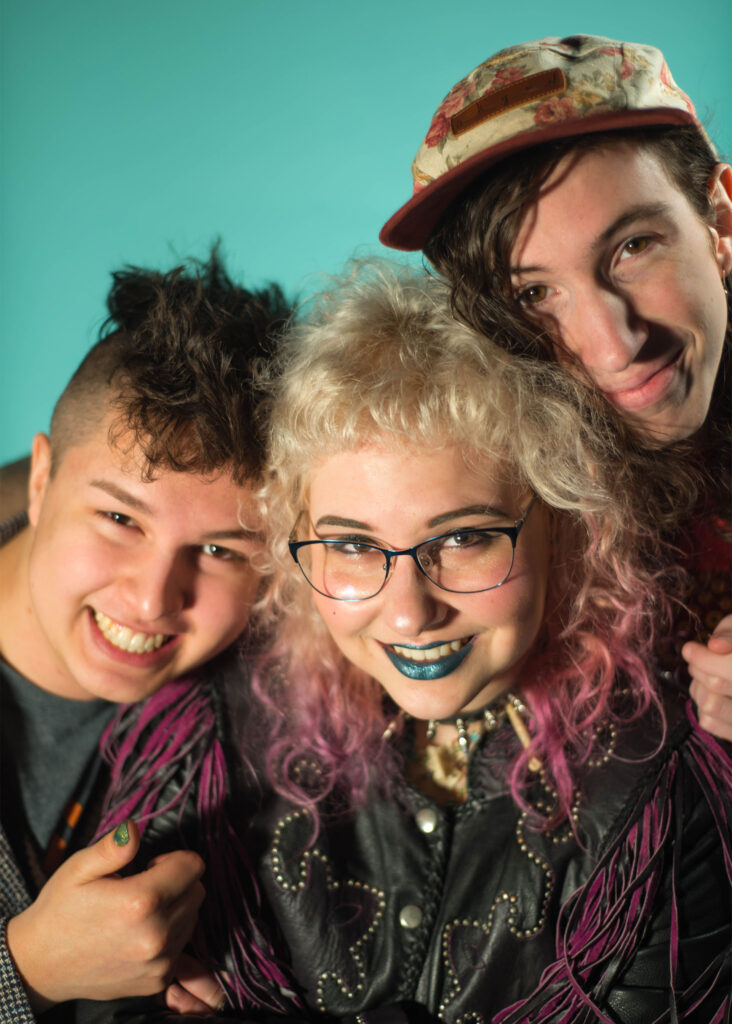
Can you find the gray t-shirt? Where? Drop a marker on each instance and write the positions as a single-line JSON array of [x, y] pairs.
[[48, 744]]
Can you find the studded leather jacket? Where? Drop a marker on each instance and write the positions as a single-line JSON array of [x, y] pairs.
[[409, 912]]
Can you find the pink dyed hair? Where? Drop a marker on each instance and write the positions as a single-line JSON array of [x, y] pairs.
[[168, 748]]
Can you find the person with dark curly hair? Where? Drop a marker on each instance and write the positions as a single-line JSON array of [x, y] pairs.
[[566, 188], [133, 570]]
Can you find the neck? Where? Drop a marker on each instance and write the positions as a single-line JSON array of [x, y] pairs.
[[467, 727]]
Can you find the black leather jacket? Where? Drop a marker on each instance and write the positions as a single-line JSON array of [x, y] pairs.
[[405, 911]]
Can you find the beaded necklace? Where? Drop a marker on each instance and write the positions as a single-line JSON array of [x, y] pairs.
[[440, 768]]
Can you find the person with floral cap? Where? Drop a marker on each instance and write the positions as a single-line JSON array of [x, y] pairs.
[[567, 187]]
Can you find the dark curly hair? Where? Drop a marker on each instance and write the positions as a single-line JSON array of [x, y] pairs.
[[472, 243], [176, 359]]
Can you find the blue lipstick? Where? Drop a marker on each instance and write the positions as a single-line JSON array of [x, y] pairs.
[[428, 669]]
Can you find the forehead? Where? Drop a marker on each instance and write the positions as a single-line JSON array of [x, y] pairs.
[[118, 460], [394, 476], [589, 190], [629, 159]]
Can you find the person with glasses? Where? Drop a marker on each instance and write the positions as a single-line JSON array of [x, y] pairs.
[[477, 798], [490, 805], [493, 807]]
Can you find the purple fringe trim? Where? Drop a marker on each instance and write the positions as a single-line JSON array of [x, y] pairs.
[[600, 925], [146, 745]]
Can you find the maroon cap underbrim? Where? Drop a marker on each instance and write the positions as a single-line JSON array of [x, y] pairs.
[[410, 227]]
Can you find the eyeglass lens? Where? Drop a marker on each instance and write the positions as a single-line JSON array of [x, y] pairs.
[[461, 562]]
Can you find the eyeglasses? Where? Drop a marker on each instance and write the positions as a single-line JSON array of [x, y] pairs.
[[462, 562]]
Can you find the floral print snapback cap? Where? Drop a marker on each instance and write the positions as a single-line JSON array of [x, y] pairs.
[[528, 94]]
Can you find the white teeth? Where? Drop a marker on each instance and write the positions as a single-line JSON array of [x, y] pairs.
[[125, 639], [430, 653]]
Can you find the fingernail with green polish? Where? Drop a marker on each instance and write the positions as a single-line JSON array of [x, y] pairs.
[[122, 834]]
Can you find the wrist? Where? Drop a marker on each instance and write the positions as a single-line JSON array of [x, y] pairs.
[[20, 947]]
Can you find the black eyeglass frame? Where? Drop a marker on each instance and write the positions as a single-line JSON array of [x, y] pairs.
[[512, 532]]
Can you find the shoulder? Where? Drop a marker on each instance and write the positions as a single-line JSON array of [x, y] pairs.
[[636, 761], [203, 719]]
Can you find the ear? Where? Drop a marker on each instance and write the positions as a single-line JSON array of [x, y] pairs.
[[719, 188], [40, 473]]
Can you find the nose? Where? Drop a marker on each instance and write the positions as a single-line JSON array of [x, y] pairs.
[[157, 587], [411, 604], [604, 330]]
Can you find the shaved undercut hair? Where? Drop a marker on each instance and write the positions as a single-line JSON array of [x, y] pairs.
[[177, 360]]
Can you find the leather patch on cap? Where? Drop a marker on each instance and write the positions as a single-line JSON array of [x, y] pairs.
[[515, 94]]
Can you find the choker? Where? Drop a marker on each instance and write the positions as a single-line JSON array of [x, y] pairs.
[[489, 717]]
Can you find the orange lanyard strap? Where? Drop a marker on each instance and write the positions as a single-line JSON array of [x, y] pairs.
[[58, 846]]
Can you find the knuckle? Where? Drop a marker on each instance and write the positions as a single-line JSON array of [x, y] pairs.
[[149, 946], [701, 698], [144, 904], [706, 722], [707, 700], [715, 685]]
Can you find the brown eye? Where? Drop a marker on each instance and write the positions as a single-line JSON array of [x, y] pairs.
[[532, 295], [220, 553], [635, 245], [119, 518]]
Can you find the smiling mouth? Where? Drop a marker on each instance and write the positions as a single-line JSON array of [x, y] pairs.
[[647, 391], [432, 653], [127, 639], [431, 661]]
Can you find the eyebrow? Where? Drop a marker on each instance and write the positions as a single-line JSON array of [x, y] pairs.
[[469, 510], [445, 517], [643, 211], [340, 521], [240, 534], [120, 494]]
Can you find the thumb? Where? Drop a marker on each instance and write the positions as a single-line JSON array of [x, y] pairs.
[[109, 855], [719, 644]]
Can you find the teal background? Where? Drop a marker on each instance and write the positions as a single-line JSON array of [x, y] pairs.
[[138, 131]]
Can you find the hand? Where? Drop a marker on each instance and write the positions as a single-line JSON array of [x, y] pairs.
[[710, 667], [195, 989], [91, 934]]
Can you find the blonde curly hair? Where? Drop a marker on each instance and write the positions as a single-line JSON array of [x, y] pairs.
[[380, 358]]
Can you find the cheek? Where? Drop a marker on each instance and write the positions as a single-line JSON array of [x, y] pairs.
[[512, 632], [531, 616], [225, 607], [512, 610], [699, 307], [341, 619], [249, 586], [71, 564], [689, 293], [517, 608], [713, 315]]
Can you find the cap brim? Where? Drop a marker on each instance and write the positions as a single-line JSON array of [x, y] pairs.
[[410, 227]]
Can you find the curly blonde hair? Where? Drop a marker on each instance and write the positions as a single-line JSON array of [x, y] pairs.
[[380, 358]]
